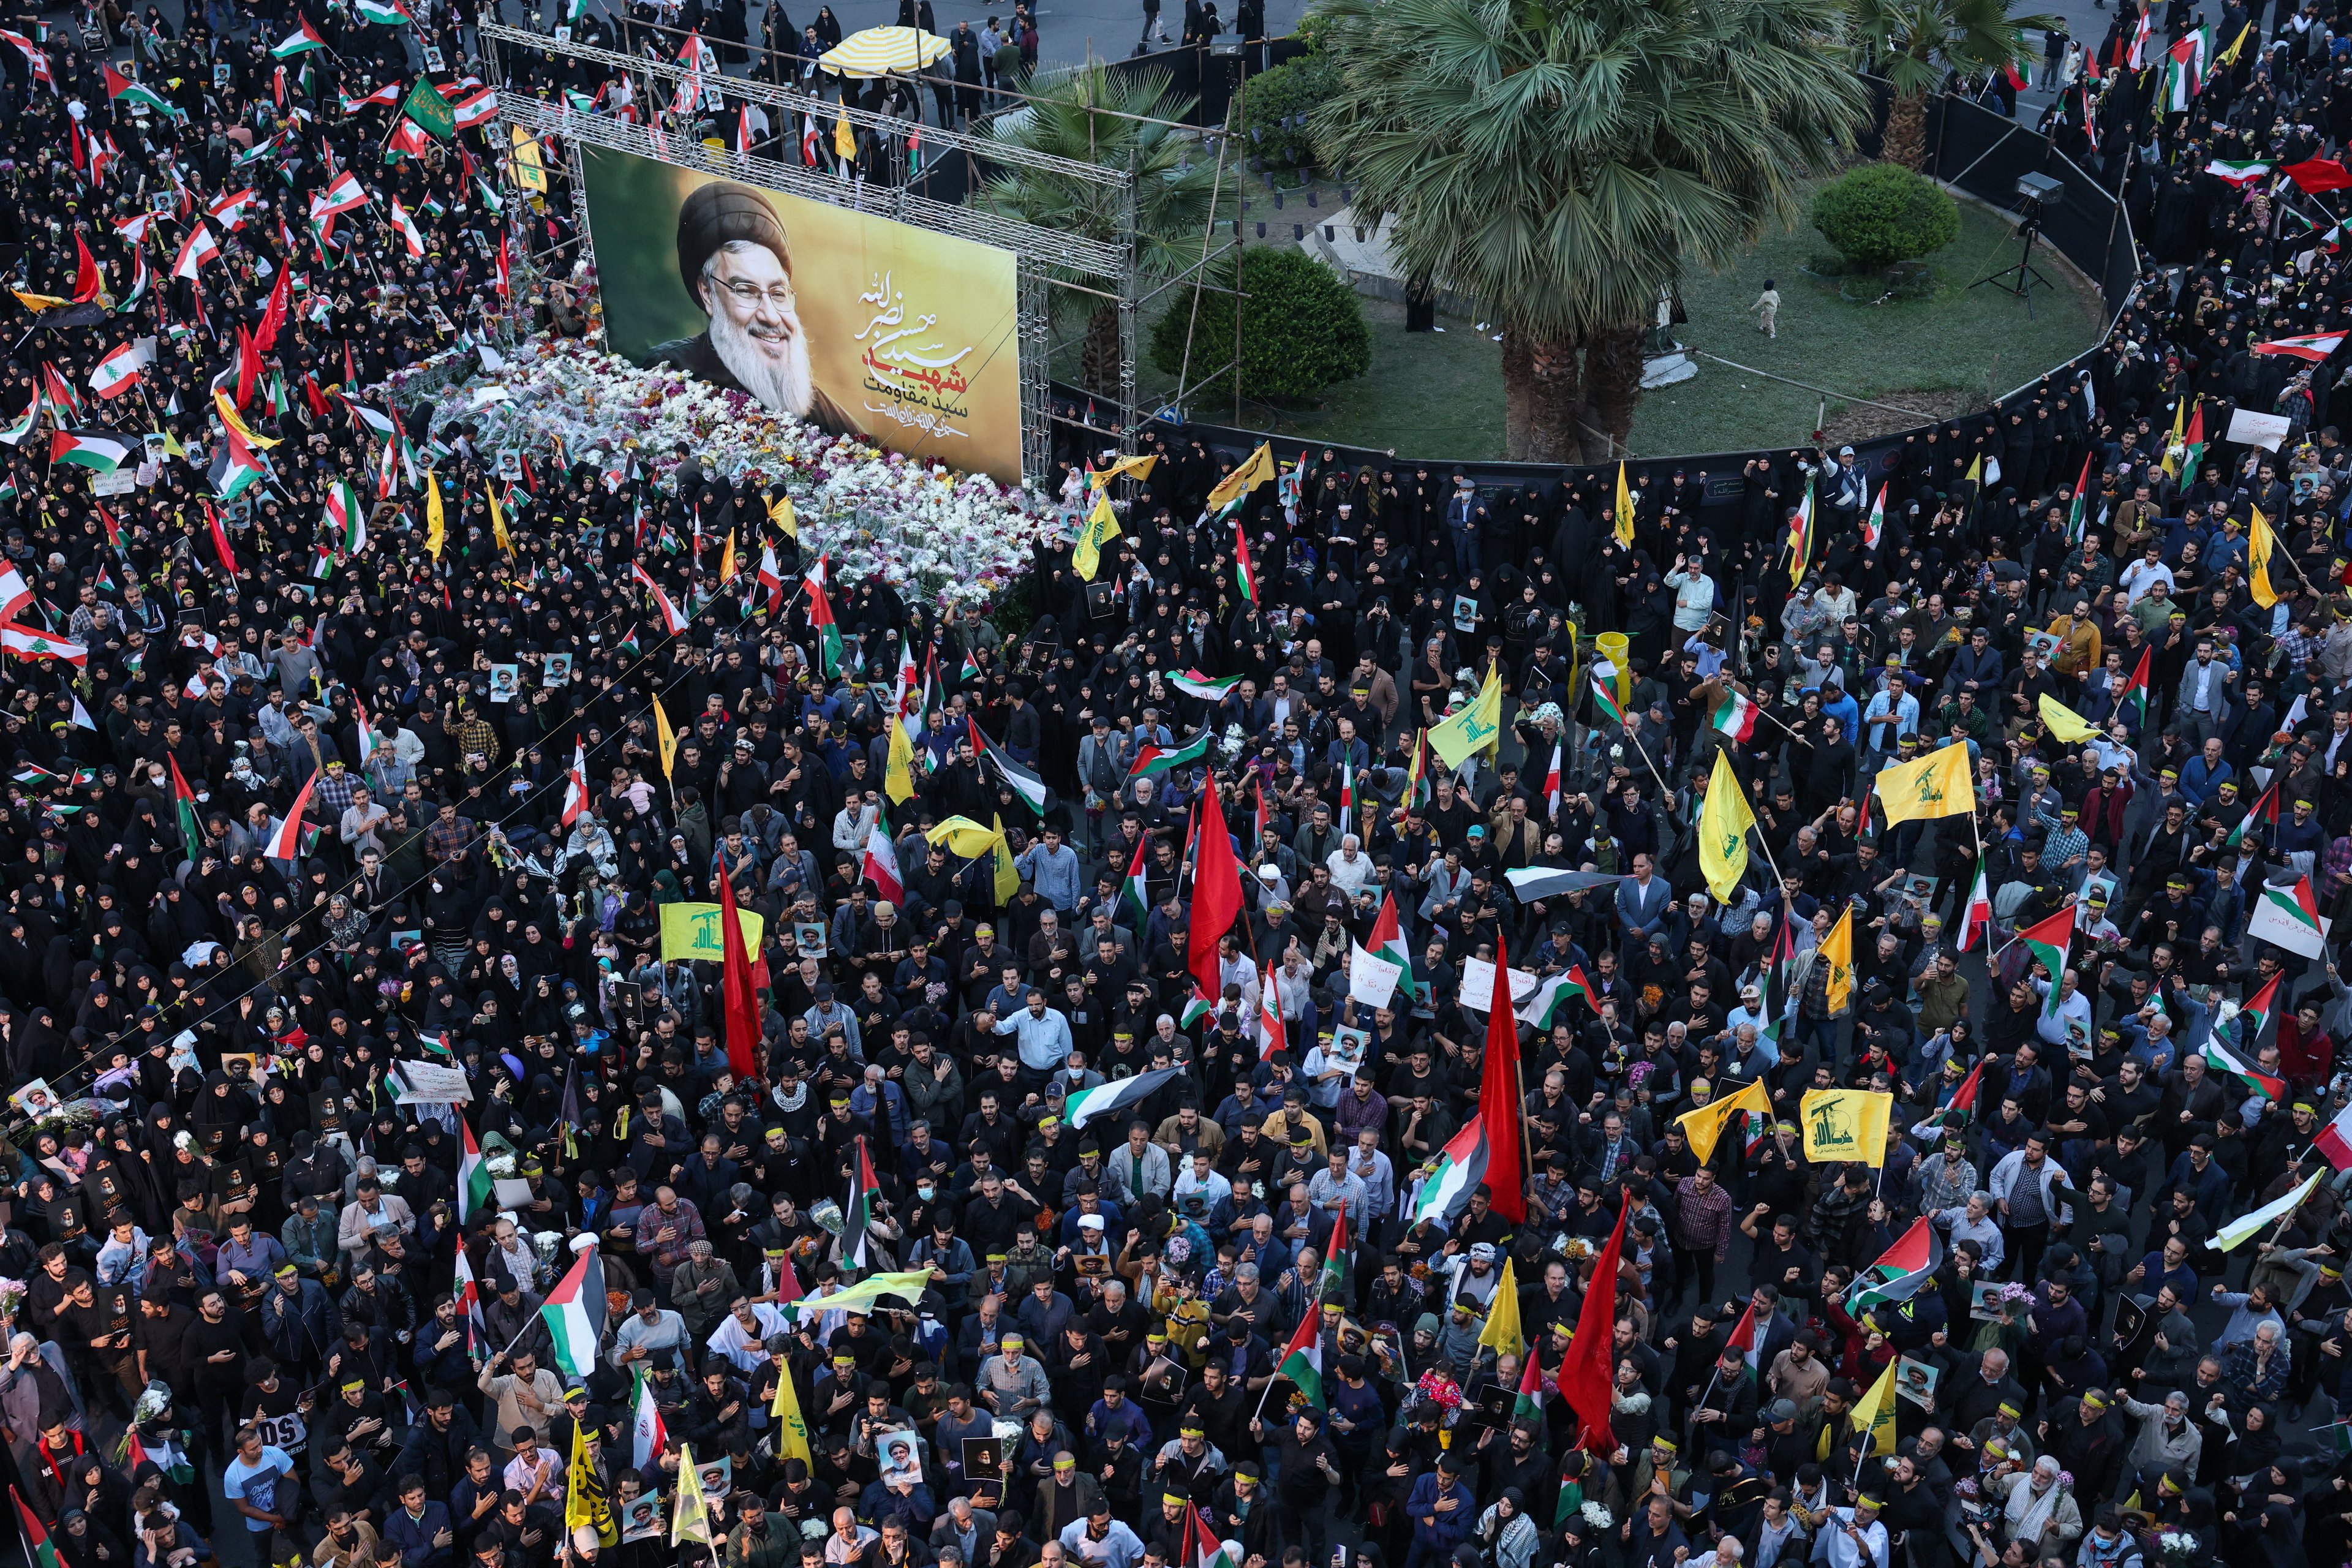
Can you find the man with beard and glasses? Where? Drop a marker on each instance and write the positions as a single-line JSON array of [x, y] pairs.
[[736, 262]]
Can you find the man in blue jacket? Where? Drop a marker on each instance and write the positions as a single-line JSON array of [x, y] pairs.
[[1443, 1512], [420, 1528]]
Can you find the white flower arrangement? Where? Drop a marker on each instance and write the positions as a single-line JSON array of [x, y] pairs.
[[950, 538], [500, 1166], [1596, 1516], [2178, 1545]]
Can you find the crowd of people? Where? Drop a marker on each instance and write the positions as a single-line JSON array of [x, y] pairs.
[[1204, 1240]]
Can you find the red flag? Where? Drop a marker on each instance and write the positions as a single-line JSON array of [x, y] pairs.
[[220, 541], [2317, 175], [1588, 1373], [735, 984], [1217, 893], [248, 366], [264, 337], [1498, 1098], [86, 276]]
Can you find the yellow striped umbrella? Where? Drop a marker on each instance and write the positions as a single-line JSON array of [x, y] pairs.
[[879, 51]]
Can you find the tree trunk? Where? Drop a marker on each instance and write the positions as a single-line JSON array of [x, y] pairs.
[[1098, 355], [1612, 386], [1543, 398], [1907, 132]]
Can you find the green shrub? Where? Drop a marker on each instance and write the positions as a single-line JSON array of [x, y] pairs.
[[1302, 329], [1278, 104], [1884, 213]]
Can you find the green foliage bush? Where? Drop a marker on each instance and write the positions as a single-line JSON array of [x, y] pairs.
[[1884, 213], [1276, 109], [1302, 329]]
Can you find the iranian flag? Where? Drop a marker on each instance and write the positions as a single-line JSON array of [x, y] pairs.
[[1388, 942], [91, 450], [344, 518], [475, 1185], [475, 108], [574, 1313], [409, 235], [302, 42], [1347, 794], [1192, 683], [1605, 700], [2048, 939], [880, 867], [38, 1549], [1460, 1167], [184, 805], [1244, 574], [821, 622], [1150, 759], [118, 373], [648, 1437], [1302, 1359], [1134, 889], [857, 1213], [286, 844], [1118, 1093], [2221, 1060], [122, 89], [1901, 1270], [1975, 916], [1736, 717], [2314, 348], [2234, 171], [26, 643], [1551, 782]]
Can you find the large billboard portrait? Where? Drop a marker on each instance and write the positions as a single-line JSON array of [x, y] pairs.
[[857, 324]]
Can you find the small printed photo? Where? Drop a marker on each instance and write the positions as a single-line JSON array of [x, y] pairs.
[[1915, 1381], [641, 1518], [555, 671], [506, 680], [983, 1456], [900, 1456], [716, 1477], [37, 1099]]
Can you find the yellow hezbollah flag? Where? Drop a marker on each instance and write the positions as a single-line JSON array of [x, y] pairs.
[[2258, 563], [779, 512], [1625, 518], [1255, 470], [665, 737], [1875, 1414], [908, 1283], [436, 530], [1846, 1124], [583, 1501], [727, 559], [689, 1519], [497, 521], [899, 773], [792, 1429], [1008, 875], [36, 303], [531, 175], [962, 837], [1837, 952], [1938, 784], [1138, 467], [2060, 721], [1703, 1128], [1102, 527], [844, 147], [1723, 825], [1477, 728], [229, 417], [1502, 1331], [690, 933]]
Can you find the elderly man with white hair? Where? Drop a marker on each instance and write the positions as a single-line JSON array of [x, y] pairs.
[[1351, 867], [2038, 1509], [34, 1389]]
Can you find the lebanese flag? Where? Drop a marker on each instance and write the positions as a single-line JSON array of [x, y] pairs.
[[229, 211], [345, 193], [1743, 1338], [808, 140], [408, 137], [118, 373], [2335, 1140], [1588, 1372], [286, 844], [15, 593], [2314, 348], [407, 227], [575, 785], [475, 108], [194, 251], [881, 867]]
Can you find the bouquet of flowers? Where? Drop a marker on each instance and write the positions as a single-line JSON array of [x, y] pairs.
[[2178, 1546], [12, 1298]]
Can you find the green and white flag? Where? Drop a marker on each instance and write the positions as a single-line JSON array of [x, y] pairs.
[[574, 1315], [1103, 1099], [1192, 683], [1302, 1360]]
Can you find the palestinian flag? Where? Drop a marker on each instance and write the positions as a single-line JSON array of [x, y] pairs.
[[1543, 1009], [123, 89], [1197, 1006], [1901, 1270], [857, 1212], [2264, 809], [2235, 172], [1192, 683], [2078, 515], [183, 805], [304, 40], [2296, 904], [2193, 445], [2220, 1058], [93, 449], [1605, 700], [2314, 348], [1975, 916], [1388, 942], [1777, 999], [1302, 1359], [38, 1549], [475, 1186], [234, 467], [1244, 574], [381, 13], [1964, 1099], [574, 1315], [2048, 941], [821, 622], [1134, 889], [1106, 1099], [14, 433], [1154, 759], [1528, 1404], [1460, 1167], [1736, 717], [1025, 783], [673, 623], [2134, 692], [2255, 1016]]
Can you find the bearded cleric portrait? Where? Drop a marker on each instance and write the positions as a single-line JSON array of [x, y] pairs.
[[735, 261]]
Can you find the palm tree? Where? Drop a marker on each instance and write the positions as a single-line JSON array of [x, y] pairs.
[[1565, 164], [1120, 122], [1916, 44]]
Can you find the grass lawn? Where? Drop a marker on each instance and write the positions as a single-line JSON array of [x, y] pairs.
[[1440, 394]]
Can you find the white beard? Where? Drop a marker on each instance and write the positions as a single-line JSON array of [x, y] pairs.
[[787, 388]]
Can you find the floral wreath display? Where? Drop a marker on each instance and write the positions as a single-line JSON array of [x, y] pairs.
[[951, 539]]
